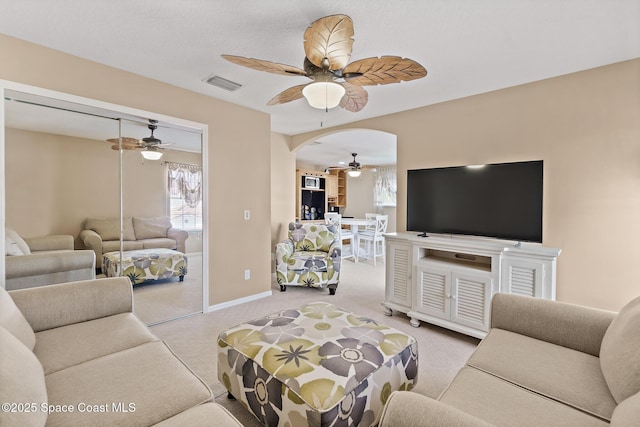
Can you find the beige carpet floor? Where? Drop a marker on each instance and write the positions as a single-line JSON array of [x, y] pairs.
[[161, 300], [441, 353]]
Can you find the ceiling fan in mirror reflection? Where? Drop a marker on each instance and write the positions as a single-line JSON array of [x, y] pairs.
[[150, 147]]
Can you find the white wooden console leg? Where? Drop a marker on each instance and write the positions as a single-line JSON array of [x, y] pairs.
[[414, 322], [387, 310]]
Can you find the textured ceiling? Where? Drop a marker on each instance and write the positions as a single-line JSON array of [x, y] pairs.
[[467, 46]]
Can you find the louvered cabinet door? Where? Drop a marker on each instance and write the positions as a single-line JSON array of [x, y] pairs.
[[398, 285], [522, 277], [471, 297], [434, 292]]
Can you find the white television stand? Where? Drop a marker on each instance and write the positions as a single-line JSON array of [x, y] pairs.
[[449, 280]]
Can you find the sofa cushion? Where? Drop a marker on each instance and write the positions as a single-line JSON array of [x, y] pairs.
[[202, 415], [148, 376], [158, 243], [308, 261], [627, 413], [70, 345], [503, 404], [109, 228], [568, 325], [559, 373], [151, 228], [620, 352], [114, 246], [12, 319], [53, 306], [50, 242], [22, 382], [312, 237], [409, 409], [12, 236], [48, 262]]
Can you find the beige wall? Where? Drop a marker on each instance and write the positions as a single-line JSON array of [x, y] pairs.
[[54, 182], [360, 195], [360, 199], [283, 187], [236, 134], [586, 128]]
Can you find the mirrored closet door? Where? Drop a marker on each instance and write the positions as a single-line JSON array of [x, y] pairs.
[[156, 194], [74, 169]]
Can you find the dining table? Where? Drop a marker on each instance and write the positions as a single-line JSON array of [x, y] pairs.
[[355, 224]]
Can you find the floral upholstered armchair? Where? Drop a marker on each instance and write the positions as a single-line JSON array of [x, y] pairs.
[[309, 257]]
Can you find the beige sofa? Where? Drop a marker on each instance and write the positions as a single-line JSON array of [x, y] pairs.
[[543, 363], [103, 235], [75, 354], [39, 261]]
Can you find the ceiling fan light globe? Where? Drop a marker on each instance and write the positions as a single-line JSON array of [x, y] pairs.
[[151, 155], [323, 95], [354, 173]]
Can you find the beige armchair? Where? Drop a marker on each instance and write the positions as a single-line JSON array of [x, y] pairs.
[[45, 260], [103, 235]]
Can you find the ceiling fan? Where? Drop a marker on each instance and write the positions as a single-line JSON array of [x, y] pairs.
[[335, 81], [354, 168], [150, 146]]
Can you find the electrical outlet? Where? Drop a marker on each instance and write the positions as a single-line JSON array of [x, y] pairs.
[[247, 214], [247, 274]]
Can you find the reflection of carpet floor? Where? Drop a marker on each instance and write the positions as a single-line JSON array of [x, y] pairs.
[[194, 339], [161, 300]]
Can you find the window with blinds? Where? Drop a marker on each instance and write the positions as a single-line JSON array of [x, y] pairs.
[[184, 217], [185, 195]]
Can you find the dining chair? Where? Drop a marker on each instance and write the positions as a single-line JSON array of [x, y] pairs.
[[334, 218], [370, 217], [374, 238]]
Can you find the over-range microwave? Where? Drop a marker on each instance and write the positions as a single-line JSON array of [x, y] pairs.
[[311, 182]]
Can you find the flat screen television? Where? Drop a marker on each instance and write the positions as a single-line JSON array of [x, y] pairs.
[[502, 200]]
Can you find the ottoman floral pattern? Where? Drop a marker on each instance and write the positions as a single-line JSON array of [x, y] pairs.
[[318, 366], [310, 257], [145, 264]]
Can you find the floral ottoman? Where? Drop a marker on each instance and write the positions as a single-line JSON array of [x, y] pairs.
[[145, 264], [318, 365]]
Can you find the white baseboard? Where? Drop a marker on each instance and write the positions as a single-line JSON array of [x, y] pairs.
[[239, 301]]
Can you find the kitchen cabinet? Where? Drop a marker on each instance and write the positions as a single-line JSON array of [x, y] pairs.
[[341, 197], [311, 203]]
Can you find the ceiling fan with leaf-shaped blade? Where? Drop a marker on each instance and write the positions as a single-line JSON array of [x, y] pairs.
[[327, 45], [149, 144], [354, 167]]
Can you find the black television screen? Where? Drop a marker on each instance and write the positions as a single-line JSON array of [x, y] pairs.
[[498, 200]]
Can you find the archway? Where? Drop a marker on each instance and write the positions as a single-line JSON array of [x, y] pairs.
[[376, 152]]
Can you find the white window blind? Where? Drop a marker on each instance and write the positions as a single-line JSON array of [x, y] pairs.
[[385, 188], [185, 195]]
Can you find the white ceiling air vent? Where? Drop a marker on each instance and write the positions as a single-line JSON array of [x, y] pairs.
[[222, 83]]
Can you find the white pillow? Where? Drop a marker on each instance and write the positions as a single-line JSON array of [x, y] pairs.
[[11, 234], [11, 248]]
